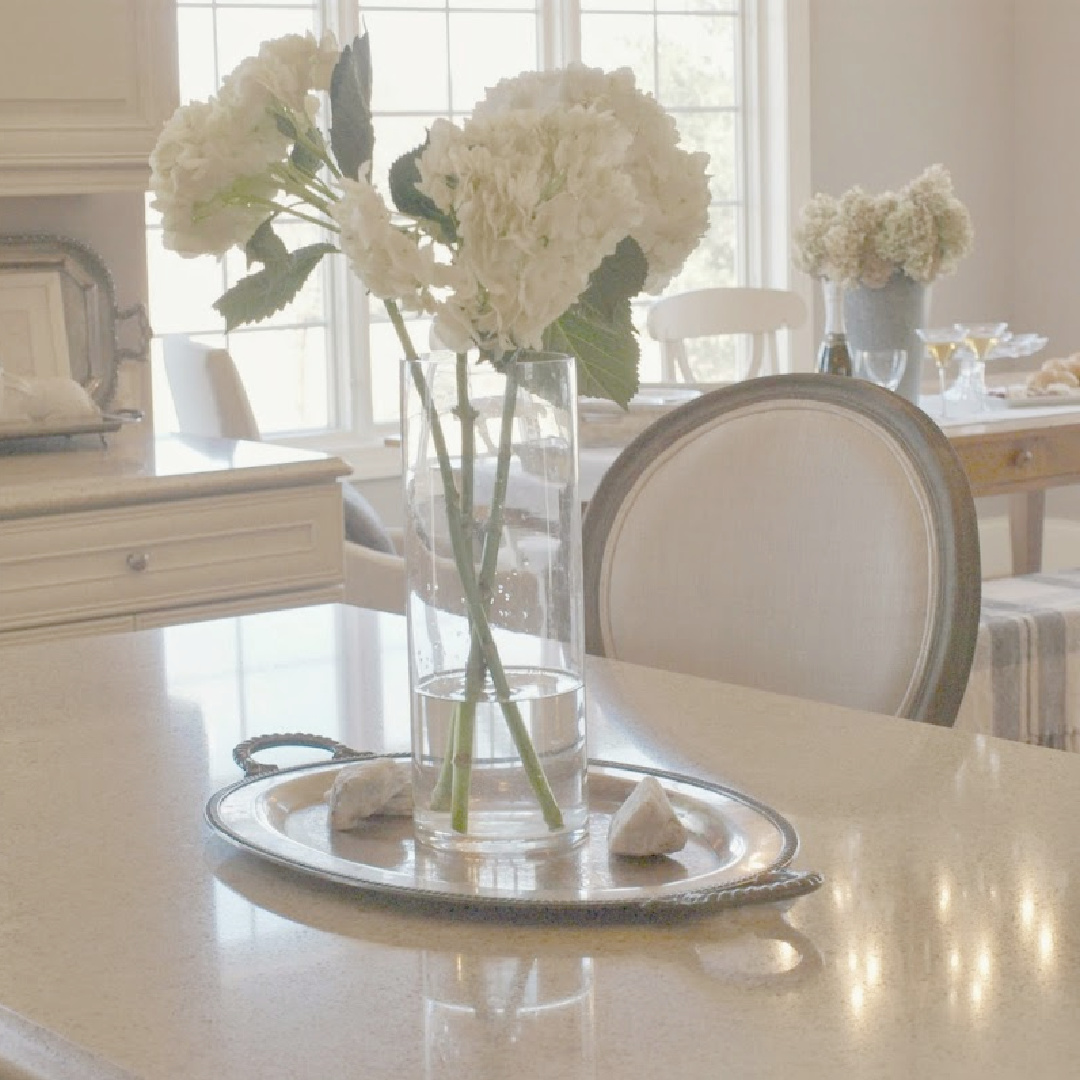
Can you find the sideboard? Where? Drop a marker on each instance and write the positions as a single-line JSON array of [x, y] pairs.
[[97, 539]]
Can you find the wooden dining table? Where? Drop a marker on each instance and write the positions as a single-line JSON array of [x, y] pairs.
[[1020, 453], [138, 942]]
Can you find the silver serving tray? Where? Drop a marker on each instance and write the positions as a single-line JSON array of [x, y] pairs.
[[736, 854], [45, 429]]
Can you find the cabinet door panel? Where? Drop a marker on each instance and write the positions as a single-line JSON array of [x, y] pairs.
[[85, 86]]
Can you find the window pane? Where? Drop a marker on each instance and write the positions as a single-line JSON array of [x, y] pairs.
[[386, 356], [195, 38], [242, 4], [715, 261], [717, 359], [184, 292], [617, 5], [414, 79], [649, 366], [696, 60], [502, 5], [431, 58], [285, 374], [614, 41], [486, 48], [715, 133], [728, 6], [242, 30]]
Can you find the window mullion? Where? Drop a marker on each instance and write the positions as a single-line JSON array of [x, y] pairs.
[[560, 38]]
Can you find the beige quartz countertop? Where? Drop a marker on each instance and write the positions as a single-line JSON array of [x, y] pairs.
[[943, 944], [170, 467]]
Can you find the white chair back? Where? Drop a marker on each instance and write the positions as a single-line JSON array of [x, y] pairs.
[[758, 313], [809, 534], [207, 390]]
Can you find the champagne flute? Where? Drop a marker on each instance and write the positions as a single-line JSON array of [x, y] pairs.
[[980, 338], [941, 342]]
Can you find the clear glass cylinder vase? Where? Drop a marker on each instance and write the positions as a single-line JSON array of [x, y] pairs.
[[494, 605]]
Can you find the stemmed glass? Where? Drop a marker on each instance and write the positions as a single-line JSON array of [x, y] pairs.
[[941, 342], [882, 366], [981, 339]]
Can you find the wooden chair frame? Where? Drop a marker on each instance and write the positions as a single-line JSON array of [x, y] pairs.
[[946, 661]]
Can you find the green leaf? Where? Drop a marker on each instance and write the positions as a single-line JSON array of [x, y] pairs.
[[621, 276], [606, 350], [265, 246], [267, 291], [352, 136], [404, 176]]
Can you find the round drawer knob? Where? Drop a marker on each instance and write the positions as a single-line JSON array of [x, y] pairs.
[[138, 560], [1023, 457]]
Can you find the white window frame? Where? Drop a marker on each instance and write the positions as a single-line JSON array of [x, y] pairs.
[[775, 137]]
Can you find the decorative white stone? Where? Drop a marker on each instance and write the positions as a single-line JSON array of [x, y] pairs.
[[646, 824], [365, 789], [401, 804]]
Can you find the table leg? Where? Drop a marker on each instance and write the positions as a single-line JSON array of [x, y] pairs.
[[1026, 512]]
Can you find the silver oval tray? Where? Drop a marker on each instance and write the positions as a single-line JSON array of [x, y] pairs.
[[736, 854]]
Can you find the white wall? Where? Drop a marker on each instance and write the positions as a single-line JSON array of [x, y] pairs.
[[1045, 153], [897, 85]]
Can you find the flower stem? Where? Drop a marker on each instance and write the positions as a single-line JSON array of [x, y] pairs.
[[455, 777]]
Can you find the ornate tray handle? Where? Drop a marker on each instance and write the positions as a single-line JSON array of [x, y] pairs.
[[142, 333], [242, 752]]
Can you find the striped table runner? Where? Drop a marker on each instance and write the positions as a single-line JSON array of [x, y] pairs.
[[1025, 678]]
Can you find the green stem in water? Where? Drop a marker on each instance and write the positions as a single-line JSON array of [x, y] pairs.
[[465, 714], [473, 597], [455, 776]]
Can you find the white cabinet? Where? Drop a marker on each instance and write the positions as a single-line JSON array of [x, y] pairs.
[[85, 86], [213, 528]]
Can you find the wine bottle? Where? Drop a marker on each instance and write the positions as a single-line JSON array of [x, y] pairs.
[[834, 355]]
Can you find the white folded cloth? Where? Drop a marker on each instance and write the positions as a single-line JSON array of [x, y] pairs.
[[49, 397]]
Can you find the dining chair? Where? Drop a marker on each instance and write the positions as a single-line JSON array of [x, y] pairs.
[[758, 313], [210, 400], [207, 390], [809, 534]]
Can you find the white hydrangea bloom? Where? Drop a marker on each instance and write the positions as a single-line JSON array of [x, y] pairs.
[[671, 183], [288, 70], [203, 152], [212, 157], [393, 264], [538, 199], [922, 231]]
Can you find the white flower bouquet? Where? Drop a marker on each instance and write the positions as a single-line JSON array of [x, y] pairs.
[[530, 225], [922, 231]]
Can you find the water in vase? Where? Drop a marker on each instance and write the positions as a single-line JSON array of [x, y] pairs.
[[503, 809]]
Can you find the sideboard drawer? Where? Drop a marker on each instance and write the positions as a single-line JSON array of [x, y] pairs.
[[96, 563], [1005, 461]]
